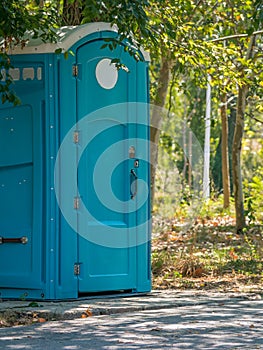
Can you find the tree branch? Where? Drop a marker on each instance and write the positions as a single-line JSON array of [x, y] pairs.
[[256, 119], [236, 36]]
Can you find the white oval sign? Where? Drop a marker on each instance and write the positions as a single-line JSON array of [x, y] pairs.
[[106, 73]]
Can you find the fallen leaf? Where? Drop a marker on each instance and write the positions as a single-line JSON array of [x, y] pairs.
[[33, 304], [198, 272], [89, 312]]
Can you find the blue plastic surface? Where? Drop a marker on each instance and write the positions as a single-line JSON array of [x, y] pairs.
[[53, 101]]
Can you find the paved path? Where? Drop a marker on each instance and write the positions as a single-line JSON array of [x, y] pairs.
[[201, 323]]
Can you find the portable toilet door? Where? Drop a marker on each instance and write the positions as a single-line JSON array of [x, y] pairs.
[[112, 207], [77, 171], [107, 232]]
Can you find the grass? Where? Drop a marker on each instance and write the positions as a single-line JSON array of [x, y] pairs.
[[209, 255]]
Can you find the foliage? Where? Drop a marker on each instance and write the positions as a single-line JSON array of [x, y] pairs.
[[6, 92], [18, 18], [129, 16], [233, 67], [180, 30]]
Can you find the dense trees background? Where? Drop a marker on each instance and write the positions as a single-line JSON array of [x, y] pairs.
[[189, 41]]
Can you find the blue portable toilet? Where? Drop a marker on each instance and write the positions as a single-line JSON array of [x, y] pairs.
[[74, 170]]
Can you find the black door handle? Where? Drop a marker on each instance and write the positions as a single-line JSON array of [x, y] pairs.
[[22, 240], [133, 180]]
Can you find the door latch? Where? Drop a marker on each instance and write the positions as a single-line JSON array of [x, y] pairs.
[[22, 240]]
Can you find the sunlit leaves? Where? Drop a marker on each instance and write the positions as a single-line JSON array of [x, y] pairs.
[[18, 18], [181, 30]]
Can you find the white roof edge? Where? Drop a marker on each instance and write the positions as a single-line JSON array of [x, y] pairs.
[[68, 39]]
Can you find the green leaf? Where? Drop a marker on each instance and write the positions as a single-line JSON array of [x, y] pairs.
[[33, 304], [104, 46], [58, 51]]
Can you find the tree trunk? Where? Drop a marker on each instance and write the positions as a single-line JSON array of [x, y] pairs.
[[225, 156], [190, 157], [184, 147], [237, 144], [236, 161], [156, 118], [71, 12]]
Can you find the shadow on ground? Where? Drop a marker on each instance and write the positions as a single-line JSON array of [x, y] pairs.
[[236, 324]]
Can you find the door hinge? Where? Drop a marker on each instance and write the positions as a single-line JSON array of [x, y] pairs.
[[77, 269], [76, 137], [76, 203], [75, 70]]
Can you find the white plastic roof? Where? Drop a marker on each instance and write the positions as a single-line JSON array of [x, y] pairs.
[[68, 36]]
